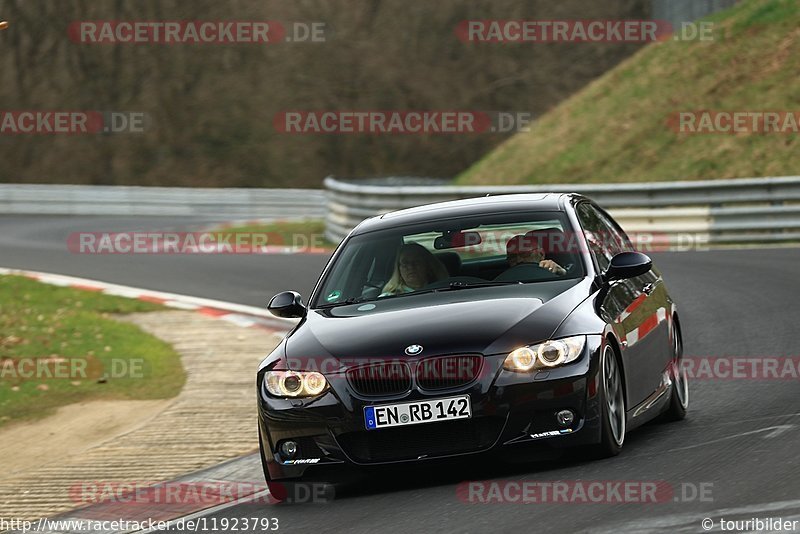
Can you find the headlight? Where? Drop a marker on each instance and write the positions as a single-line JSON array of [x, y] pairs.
[[295, 383], [551, 353]]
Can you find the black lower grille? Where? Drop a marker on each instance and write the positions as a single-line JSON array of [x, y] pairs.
[[446, 372], [385, 378], [431, 439]]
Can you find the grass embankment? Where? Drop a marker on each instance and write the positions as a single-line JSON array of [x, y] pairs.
[[616, 129], [61, 345]]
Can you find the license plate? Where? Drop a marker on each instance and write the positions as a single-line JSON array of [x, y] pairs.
[[414, 413]]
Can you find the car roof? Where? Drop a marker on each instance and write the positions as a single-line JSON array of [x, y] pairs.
[[490, 204]]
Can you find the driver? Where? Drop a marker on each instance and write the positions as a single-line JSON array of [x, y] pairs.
[[416, 267], [521, 249]]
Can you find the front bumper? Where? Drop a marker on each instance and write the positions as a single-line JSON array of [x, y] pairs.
[[509, 411]]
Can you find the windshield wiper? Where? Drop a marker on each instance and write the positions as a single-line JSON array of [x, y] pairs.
[[456, 285], [459, 284], [351, 300], [453, 286]]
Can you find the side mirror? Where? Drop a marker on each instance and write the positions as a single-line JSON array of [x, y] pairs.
[[628, 265], [288, 305]]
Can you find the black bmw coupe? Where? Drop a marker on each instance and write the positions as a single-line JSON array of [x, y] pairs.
[[471, 326]]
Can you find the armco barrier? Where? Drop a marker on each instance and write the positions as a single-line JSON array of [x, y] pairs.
[[173, 201], [712, 211], [715, 211]]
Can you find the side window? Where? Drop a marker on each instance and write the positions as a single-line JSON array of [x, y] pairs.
[[602, 242]]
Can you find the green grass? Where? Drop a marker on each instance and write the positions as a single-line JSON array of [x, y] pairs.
[[100, 358], [307, 233], [615, 130]]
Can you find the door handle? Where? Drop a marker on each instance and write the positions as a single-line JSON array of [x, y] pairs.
[[648, 288]]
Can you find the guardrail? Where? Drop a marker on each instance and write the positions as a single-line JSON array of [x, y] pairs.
[[173, 201], [711, 211]]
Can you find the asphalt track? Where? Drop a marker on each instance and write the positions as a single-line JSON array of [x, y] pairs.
[[740, 436], [40, 243]]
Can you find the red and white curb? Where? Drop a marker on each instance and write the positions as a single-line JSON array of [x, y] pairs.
[[238, 314]]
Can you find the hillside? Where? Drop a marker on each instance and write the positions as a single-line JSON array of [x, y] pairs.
[[210, 110], [619, 128]]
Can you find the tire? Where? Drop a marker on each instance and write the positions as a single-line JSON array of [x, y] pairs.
[[679, 394], [613, 410]]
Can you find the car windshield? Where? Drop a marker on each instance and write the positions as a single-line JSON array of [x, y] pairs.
[[453, 254]]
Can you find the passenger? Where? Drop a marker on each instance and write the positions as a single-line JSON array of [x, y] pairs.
[[522, 249], [416, 267]]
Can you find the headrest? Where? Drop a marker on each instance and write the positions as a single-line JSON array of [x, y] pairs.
[[551, 240]]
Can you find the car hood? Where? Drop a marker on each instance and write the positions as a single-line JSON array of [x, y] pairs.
[[482, 320]]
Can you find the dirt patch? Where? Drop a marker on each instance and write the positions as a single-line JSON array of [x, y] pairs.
[[72, 430]]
